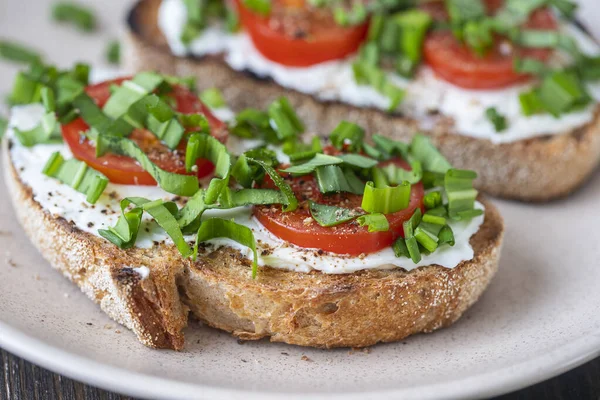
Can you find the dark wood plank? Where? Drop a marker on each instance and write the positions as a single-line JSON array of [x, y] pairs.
[[21, 380]]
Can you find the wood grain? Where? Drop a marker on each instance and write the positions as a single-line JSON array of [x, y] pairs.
[[21, 380]]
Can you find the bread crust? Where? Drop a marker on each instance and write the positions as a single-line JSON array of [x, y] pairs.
[[308, 309], [537, 169]]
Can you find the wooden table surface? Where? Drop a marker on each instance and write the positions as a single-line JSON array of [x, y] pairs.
[[21, 380]]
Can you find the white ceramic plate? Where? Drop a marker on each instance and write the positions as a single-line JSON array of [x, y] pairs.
[[538, 318]]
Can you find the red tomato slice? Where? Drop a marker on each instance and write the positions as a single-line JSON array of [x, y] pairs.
[[295, 36], [125, 170], [299, 228], [457, 64]]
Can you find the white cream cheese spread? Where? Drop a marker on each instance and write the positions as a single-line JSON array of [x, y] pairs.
[[426, 94], [62, 201]]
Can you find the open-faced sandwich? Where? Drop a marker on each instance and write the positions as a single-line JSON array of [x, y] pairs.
[[157, 209], [505, 88]]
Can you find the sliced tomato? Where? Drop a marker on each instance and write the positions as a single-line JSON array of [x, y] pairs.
[[295, 35], [125, 170], [299, 228], [457, 64]]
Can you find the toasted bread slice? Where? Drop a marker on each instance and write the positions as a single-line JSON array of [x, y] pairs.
[[309, 309], [537, 169]]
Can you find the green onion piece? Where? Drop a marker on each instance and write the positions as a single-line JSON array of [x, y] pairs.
[[18, 53], [386, 200], [158, 117], [213, 98], [48, 130], [536, 38], [3, 127], [409, 236], [203, 146], [130, 92], [370, 75], [530, 66], [284, 119], [221, 228], [251, 197], [531, 103], [433, 219], [373, 152], [77, 175], [374, 222], [347, 135], [459, 189], [326, 215], [431, 159], [246, 174], [190, 214], [100, 123], [369, 53], [375, 27], [356, 185], [357, 15], [302, 156], [319, 160], [400, 248], [251, 123], [380, 179], [262, 7], [80, 16], [497, 119], [426, 239], [113, 52], [461, 11], [181, 185], [332, 179], [25, 90], [439, 211], [515, 13], [446, 236], [478, 36], [566, 7], [390, 147], [125, 232], [396, 175], [357, 161], [199, 12], [413, 24], [232, 20], [432, 199], [292, 202], [562, 92]]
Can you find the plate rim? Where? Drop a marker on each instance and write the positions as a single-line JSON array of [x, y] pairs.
[[116, 379]]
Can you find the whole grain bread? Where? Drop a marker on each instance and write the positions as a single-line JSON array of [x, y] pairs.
[[538, 169], [309, 309]]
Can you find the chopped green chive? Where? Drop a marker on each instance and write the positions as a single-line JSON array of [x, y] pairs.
[[327, 215], [497, 119], [80, 16], [374, 222], [76, 174], [113, 52], [213, 98], [18, 53]]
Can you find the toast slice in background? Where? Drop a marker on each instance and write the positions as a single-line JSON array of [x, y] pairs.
[[309, 309], [537, 169]]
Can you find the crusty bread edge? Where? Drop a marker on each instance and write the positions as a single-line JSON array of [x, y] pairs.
[[537, 169], [104, 273], [314, 309]]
